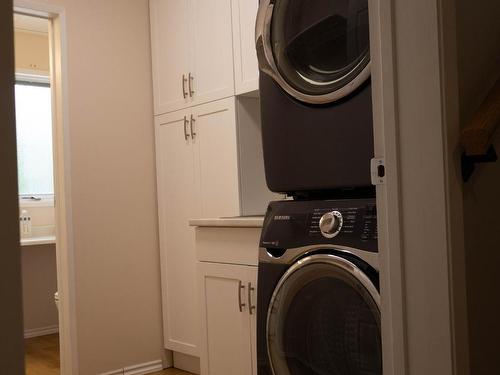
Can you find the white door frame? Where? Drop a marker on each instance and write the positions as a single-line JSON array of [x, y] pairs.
[[415, 96], [420, 208], [64, 232]]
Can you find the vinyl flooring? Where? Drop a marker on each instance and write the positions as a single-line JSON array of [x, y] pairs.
[[42, 357]]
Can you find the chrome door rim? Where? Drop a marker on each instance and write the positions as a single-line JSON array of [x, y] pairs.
[[268, 65], [333, 260]]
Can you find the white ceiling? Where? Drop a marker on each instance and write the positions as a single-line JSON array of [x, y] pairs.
[[31, 24]]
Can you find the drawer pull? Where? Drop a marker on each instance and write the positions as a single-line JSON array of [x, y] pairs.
[[191, 84], [184, 81], [186, 134], [193, 133], [241, 287], [251, 307]]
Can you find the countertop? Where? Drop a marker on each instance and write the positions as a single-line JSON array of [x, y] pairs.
[[229, 222], [39, 240], [40, 235]]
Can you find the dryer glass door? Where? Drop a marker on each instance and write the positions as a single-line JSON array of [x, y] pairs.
[[323, 320], [320, 46]]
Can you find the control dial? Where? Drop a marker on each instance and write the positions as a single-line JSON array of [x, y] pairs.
[[330, 224]]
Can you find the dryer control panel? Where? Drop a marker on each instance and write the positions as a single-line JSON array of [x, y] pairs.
[[349, 223]]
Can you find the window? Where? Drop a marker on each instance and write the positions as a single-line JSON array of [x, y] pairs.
[[34, 138]]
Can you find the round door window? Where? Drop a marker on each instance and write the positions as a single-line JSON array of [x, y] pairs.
[[323, 320], [320, 46]]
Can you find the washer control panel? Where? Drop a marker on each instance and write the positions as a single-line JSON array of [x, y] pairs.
[[350, 223]]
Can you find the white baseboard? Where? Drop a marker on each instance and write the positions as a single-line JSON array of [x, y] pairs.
[[36, 332], [141, 369]]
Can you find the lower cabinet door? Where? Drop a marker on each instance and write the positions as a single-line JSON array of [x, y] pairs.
[[177, 203], [226, 324]]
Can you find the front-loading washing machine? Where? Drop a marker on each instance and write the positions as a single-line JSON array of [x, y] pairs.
[[315, 93], [318, 310]]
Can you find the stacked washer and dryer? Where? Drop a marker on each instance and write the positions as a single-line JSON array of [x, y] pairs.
[[318, 287]]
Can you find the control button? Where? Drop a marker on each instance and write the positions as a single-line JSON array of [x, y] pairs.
[[331, 224]]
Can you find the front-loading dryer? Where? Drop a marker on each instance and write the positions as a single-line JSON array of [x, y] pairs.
[[318, 310], [315, 93]]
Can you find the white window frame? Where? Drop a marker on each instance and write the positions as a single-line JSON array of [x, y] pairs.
[[37, 200]]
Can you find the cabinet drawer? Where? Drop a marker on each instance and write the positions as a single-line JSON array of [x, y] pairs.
[[228, 245]]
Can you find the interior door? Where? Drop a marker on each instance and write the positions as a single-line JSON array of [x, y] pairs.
[[171, 54], [178, 202], [225, 324], [212, 50], [216, 153]]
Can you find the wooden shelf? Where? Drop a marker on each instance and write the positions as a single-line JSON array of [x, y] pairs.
[[478, 134]]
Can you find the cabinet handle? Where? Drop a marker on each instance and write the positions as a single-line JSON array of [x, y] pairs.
[[191, 84], [186, 134], [193, 133], [250, 306], [241, 287], [184, 81]]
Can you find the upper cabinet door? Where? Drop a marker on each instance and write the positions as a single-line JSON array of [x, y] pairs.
[[216, 155], [171, 54], [213, 72], [246, 68]]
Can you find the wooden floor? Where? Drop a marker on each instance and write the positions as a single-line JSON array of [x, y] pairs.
[[42, 357]]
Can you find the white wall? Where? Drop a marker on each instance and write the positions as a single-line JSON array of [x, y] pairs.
[[11, 344], [117, 273], [479, 67]]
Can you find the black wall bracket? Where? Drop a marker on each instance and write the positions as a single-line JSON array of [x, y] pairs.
[[469, 162]]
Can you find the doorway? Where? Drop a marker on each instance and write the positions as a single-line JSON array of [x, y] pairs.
[[33, 102], [45, 198]]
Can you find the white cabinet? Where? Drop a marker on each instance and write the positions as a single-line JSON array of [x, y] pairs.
[[178, 201], [228, 298], [171, 53], [212, 50], [227, 283], [192, 54], [217, 158], [246, 70], [197, 172], [204, 169]]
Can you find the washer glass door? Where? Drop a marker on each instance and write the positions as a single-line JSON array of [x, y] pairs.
[[324, 320], [322, 45]]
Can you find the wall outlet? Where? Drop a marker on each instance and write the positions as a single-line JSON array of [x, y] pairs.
[[25, 225]]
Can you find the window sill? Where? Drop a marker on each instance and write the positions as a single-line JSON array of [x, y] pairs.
[[44, 202]]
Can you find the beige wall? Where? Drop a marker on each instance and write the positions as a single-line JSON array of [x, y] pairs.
[[32, 51], [479, 66], [11, 344], [117, 272], [39, 285]]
